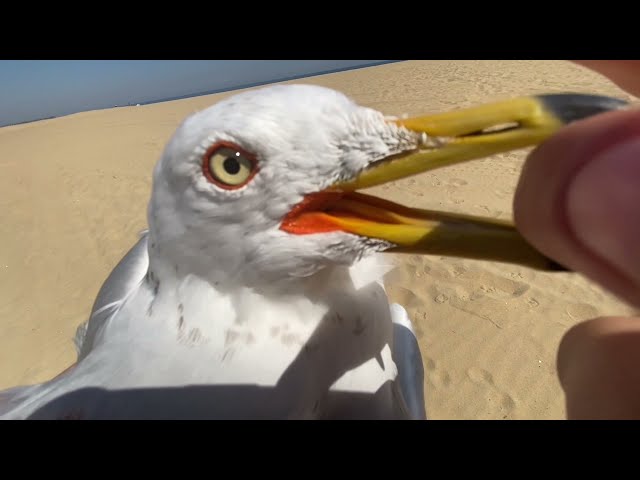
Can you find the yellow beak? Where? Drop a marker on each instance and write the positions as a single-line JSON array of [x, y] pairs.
[[451, 138]]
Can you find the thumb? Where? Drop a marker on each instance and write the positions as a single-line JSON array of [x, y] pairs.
[[578, 200], [598, 368], [624, 73]]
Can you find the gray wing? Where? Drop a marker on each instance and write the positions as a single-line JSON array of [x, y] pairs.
[[13, 397], [124, 278], [408, 358]]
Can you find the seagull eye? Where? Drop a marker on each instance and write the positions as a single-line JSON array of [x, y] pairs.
[[229, 166]]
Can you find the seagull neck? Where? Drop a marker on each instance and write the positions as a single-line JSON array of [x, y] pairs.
[[161, 270], [168, 263], [318, 287]]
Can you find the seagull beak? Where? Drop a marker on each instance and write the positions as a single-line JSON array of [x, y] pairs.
[[448, 138]]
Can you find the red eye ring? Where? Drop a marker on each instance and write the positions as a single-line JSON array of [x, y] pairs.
[[239, 151]]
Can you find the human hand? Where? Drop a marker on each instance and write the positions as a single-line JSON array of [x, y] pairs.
[[578, 201]]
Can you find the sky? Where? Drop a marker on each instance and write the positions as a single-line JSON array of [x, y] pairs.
[[36, 89]]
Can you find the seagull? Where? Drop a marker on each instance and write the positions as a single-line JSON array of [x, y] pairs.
[[257, 291]]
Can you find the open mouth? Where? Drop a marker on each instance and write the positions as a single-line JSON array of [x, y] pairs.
[[447, 138]]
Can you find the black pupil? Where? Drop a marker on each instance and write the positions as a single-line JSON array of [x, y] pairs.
[[231, 165]]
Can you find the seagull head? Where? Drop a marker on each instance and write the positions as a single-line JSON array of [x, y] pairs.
[[264, 185]]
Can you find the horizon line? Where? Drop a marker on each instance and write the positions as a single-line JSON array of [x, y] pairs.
[[213, 92]]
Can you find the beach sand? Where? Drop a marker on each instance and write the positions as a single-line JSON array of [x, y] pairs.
[[73, 201]]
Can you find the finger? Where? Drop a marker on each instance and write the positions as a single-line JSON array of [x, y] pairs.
[[624, 73], [598, 368], [578, 200]]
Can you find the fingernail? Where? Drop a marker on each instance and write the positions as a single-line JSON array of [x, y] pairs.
[[603, 206]]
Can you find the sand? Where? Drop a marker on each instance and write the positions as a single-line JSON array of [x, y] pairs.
[[74, 194]]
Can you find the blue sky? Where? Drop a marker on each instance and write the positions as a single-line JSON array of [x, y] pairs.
[[35, 89]]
